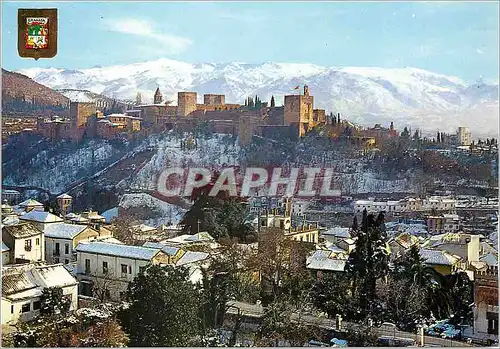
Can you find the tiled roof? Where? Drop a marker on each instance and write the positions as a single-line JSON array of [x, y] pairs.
[[41, 217], [436, 257], [22, 230], [192, 257], [28, 280], [30, 202], [119, 250], [338, 232], [169, 250], [490, 259], [64, 230], [320, 260]]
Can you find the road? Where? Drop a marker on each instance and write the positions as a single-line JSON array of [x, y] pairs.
[[257, 311]]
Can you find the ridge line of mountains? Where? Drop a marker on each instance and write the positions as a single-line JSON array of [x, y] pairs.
[[410, 97]]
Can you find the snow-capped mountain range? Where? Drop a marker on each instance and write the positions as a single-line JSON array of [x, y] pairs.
[[409, 96]]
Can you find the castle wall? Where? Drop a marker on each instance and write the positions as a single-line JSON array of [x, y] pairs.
[[213, 99]]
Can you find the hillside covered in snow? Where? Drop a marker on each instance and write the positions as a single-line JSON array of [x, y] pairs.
[[409, 97]]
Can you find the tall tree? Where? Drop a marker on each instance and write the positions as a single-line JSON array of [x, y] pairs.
[[369, 261], [272, 102], [163, 309]]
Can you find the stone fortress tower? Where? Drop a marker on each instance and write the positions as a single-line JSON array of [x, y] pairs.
[[186, 103], [299, 111]]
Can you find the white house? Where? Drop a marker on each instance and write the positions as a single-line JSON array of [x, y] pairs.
[[40, 219], [25, 242], [62, 238], [5, 254], [107, 268], [22, 286]]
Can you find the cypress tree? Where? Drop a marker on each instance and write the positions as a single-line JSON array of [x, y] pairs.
[[272, 102]]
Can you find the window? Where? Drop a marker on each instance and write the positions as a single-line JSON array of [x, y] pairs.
[[37, 241], [66, 248], [130, 269], [87, 266], [12, 309], [124, 269], [66, 261], [57, 251], [25, 308], [104, 267], [27, 245], [36, 305], [492, 323]]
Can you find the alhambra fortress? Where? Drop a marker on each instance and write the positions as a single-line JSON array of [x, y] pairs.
[[292, 120], [253, 118]]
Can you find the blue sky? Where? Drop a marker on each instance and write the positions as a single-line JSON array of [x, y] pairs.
[[458, 39]]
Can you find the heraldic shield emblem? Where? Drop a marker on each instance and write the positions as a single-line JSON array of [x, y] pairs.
[[37, 33]]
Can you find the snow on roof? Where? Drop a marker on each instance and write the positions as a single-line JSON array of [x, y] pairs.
[[119, 250], [5, 247], [363, 202], [64, 230], [143, 228], [192, 257], [338, 231], [28, 280], [10, 220], [22, 230], [187, 238], [64, 196], [10, 191], [79, 218], [335, 249], [490, 259], [169, 250], [437, 257], [41, 217], [320, 260], [29, 203]]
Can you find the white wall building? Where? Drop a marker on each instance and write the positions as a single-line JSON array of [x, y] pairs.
[[406, 205], [62, 238], [22, 286], [24, 241], [107, 268], [464, 136]]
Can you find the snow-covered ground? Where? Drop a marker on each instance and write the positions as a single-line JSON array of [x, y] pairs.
[[55, 171], [166, 212], [215, 152]]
